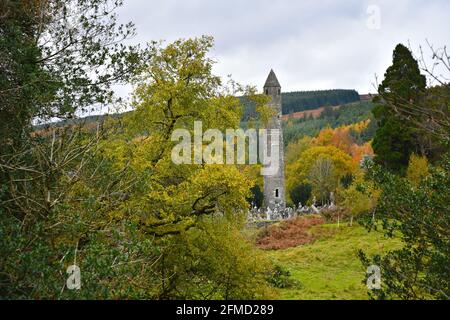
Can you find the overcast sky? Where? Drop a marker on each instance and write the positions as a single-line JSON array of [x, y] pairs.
[[310, 44]]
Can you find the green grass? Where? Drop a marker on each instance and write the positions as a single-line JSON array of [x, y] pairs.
[[329, 268]]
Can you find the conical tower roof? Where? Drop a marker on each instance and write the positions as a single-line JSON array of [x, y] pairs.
[[272, 80]]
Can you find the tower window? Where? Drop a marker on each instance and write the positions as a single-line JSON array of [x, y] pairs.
[[277, 193], [267, 91], [279, 91]]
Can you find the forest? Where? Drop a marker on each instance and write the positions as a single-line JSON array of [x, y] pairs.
[[347, 114], [98, 209], [304, 100]]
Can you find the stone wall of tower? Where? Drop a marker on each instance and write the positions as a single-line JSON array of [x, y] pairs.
[[274, 185]]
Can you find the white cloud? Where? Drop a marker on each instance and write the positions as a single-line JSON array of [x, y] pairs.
[[310, 44]]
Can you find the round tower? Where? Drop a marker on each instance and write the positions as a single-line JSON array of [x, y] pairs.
[[274, 185]]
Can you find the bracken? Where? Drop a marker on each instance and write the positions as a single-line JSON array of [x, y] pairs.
[[289, 233]]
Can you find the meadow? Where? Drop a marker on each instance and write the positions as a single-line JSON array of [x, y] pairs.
[[329, 268]]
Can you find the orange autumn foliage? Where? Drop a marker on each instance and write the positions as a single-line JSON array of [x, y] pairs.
[[290, 233], [342, 139]]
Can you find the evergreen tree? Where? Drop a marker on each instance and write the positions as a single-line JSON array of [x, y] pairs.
[[24, 84], [394, 140], [256, 197], [301, 193]]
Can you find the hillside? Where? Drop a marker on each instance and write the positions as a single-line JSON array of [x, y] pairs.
[[329, 267], [311, 122], [294, 104], [314, 113], [305, 100]]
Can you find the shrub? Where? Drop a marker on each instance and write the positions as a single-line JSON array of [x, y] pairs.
[[289, 233], [420, 217], [301, 193], [280, 277]]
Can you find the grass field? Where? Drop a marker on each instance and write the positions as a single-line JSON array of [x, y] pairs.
[[329, 268]]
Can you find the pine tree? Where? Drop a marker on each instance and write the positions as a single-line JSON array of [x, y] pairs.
[[394, 140]]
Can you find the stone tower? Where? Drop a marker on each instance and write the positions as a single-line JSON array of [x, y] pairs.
[[274, 190]]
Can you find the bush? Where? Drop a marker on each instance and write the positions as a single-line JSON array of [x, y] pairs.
[[214, 261], [300, 193], [289, 233], [280, 277], [419, 215], [334, 214], [417, 169]]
